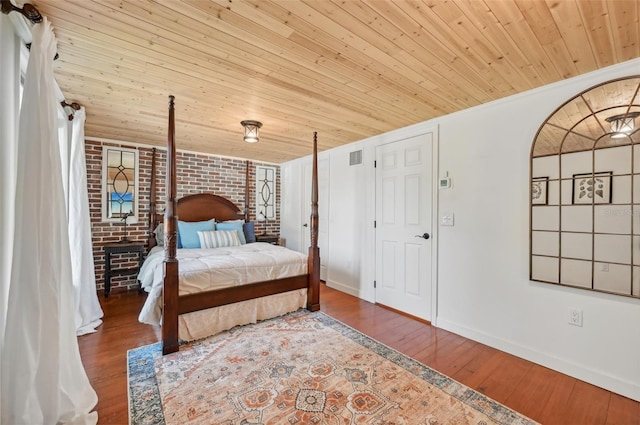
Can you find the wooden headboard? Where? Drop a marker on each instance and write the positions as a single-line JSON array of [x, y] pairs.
[[197, 207], [205, 206]]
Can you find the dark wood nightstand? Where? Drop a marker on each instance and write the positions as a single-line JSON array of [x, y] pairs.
[[272, 239], [120, 248]]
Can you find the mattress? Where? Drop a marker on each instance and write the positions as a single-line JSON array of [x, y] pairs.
[[216, 268]]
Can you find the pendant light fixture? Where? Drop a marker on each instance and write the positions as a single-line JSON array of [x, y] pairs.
[[622, 125], [251, 134]]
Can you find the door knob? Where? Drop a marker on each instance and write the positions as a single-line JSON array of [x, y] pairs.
[[423, 236]]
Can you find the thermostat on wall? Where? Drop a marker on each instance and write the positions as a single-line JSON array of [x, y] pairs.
[[445, 182]]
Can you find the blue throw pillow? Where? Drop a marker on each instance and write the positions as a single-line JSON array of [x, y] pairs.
[[233, 225], [188, 232], [249, 232]]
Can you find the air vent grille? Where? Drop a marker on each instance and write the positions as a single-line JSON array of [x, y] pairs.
[[355, 157]]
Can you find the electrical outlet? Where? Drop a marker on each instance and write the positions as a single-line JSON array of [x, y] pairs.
[[575, 317]]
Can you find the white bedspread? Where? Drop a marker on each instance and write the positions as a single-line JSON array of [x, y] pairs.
[[216, 268]]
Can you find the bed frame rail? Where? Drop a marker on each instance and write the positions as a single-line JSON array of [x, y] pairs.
[[218, 297]]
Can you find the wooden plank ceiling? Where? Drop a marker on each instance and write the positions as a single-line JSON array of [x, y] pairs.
[[348, 69]]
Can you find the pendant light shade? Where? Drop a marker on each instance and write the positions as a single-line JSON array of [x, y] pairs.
[[622, 125], [251, 130]]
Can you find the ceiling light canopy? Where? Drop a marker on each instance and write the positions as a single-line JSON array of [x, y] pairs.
[[622, 125], [251, 134]]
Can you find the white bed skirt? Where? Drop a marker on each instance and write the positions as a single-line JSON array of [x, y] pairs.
[[201, 324]]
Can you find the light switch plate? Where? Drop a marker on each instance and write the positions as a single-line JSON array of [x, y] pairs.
[[446, 219]]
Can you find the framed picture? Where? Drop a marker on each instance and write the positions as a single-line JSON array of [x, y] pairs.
[[539, 190], [591, 188]]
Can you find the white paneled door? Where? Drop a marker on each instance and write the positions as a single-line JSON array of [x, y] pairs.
[[403, 225]]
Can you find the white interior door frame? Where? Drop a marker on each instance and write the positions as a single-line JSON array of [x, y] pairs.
[[435, 221], [435, 170]]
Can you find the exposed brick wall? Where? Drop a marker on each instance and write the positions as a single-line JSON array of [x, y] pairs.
[[196, 173]]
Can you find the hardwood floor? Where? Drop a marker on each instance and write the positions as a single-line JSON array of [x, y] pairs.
[[543, 395]]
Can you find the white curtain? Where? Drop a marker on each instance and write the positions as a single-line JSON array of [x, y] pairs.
[[10, 95], [43, 380], [87, 307]]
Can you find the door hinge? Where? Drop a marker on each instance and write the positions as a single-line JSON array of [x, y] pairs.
[[374, 224], [374, 284], [375, 163]]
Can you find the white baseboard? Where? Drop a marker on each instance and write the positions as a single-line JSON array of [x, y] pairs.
[[593, 376], [343, 288]]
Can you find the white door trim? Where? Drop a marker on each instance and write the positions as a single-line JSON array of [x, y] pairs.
[[397, 136], [435, 229]]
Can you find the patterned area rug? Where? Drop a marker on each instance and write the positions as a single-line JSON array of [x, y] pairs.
[[302, 368]]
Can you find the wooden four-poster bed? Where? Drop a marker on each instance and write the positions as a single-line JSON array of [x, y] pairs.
[[202, 207]]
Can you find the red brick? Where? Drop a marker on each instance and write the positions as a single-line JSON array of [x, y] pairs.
[[197, 173]]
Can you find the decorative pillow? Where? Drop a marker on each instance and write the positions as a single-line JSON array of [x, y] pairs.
[[188, 232], [249, 232], [159, 232], [218, 238], [236, 225]]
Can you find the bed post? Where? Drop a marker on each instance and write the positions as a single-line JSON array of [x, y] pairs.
[[152, 202], [170, 292], [313, 292], [246, 193]]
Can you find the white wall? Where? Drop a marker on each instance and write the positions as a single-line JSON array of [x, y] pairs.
[[345, 189], [483, 261], [345, 228], [484, 291]]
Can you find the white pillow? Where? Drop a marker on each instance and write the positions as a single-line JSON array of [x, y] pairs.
[[159, 232], [218, 238], [237, 225]]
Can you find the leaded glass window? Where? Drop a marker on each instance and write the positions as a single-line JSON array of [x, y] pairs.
[[266, 192], [120, 183]]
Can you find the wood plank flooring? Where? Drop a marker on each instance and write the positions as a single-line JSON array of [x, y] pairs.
[[544, 395]]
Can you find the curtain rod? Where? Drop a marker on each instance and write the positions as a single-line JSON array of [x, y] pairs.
[[73, 105], [29, 11], [33, 15]]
